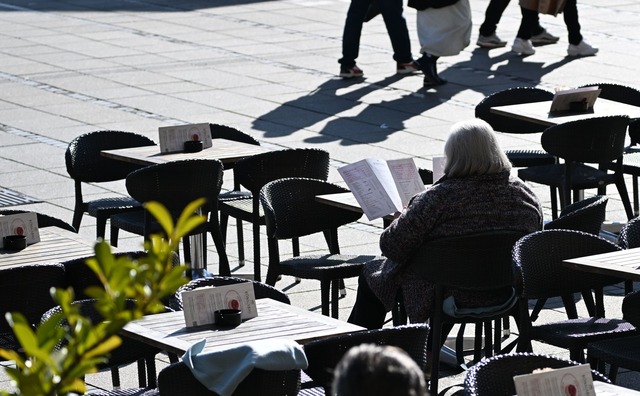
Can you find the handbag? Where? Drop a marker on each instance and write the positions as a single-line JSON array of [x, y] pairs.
[[549, 7], [424, 4]]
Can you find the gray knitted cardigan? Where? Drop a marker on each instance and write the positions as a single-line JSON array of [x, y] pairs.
[[450, 207]]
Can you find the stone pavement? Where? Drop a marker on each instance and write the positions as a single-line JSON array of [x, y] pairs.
[[268, 68]]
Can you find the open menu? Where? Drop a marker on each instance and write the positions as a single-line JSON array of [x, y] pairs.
[[172, 138], [200, 304], [578, 99], [568, 381], [20, 224], [382, 187]]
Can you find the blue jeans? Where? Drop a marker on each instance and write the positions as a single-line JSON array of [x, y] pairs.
[[391, 11]]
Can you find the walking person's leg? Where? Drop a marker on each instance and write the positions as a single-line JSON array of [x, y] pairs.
[[488, 37], [577, 45], [351, 38], [522, 44], [392, 13]]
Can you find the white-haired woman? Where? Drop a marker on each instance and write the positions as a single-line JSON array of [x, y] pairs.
[[476, 194]]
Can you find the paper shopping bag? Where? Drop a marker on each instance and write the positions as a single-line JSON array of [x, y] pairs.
[[551, 7]]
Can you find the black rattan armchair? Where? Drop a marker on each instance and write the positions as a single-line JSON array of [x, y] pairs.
[[598, 140], [253, 173], [540, 273], [494, 376], [85, 164], [291, 211], [176, 184], [476, 263]]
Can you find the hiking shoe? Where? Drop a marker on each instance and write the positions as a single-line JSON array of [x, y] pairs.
[[582, 49], [351, 72], [492, 41], [523, 47], [544, 38], [407, 68]]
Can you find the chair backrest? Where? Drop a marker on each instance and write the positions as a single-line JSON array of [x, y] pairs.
[[219, 131], [25, 289], [593, 140], [494, 376], [258, 170], [261, 290], [85, 164], [586, 215], [43, 220], [175, 184], [291, 209], [323, 355], [79, 276], [511, 96], [177, 380], [617, 92], [630, 234], [479, 261], [538, 267]]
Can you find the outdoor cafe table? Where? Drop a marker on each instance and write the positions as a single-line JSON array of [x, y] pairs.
[[275, 320], [623, 264], [226, 151], [538, 112], [56, 245]]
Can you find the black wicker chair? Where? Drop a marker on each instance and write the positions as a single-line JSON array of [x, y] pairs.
[[494, 376], [176, 184], [253, 173], [471, 263], [631, 158], [619, 352], [630, 234], [261, 290], [598, 140], [323, 355], [85, 164], [177, 380], [586, 216], [128, 352], [292, 211], [43, 220], [25, 290], [500, 123], [540, 273]]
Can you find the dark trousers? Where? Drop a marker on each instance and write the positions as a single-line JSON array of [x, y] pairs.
[[570, 14], [391, 11], [368, 311], [494, 12]]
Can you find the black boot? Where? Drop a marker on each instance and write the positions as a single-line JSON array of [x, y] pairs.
[[428, 64]]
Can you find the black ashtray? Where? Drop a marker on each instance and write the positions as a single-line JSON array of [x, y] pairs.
[[578, 106], [193, 146], [15, 242], [228, 317]]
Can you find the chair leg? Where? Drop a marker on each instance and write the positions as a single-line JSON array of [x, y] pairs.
[[240, 237], [142, 379], [151, 372], [113, 241], [325, 288], [115, 377], [636, 204], [101, 226], [218, 241], [624, 196], [537, 308], [628, 286], [256, 250], [335, 286]]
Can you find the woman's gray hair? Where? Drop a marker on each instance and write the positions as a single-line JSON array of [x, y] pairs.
[[472, 149]]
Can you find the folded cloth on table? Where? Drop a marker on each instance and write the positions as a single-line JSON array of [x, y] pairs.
[[222, 371]]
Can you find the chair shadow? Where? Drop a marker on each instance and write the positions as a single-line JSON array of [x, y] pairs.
[[376, 122]]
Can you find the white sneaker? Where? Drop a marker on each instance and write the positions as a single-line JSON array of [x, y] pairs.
[[582, 49], [523, 47]]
